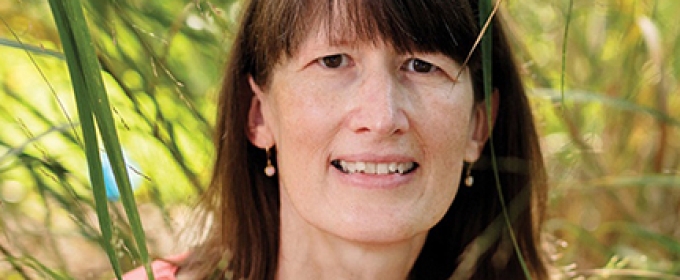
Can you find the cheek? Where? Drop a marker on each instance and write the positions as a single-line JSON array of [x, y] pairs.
[[304, 111], [445, 128], [445, 108], [306, 123], [445, 123]]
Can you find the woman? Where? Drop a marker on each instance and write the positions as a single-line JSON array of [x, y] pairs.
[[352, 143]]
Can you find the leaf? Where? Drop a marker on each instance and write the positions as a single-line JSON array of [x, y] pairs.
[[613, 102], [486, 13], [92, 103], [30, 48]]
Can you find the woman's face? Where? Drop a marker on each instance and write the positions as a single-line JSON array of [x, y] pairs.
[[370, 142]]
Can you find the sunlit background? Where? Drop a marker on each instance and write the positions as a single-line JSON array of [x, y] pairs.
[[606, 102]]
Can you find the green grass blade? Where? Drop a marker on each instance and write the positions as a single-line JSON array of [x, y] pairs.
[[43, 269], [626, 274], [14, 151], [645, 181], [30, 48], [619, 103], [563, 76], [13, 262], [637, 231], [486, 13], [92, 100], [66, 33]]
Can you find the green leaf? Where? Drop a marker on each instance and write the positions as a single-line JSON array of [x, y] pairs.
[[92, 103], [486, 13], [613, 102], [30, 48]]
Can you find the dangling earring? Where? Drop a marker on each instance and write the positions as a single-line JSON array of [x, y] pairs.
[[270, 170], [469, 180]]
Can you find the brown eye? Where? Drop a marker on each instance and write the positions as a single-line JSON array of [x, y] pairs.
[[334, 61], [420, 66]]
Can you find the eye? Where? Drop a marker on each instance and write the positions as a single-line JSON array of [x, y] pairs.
[[334, 61], [419, 66]]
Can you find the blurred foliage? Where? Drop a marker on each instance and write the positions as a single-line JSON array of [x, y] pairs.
[[609, 139]]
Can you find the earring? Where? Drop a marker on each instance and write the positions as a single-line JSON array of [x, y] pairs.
[[270, 170], [469, 180]]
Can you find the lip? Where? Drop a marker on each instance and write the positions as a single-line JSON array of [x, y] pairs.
[[374, 181]]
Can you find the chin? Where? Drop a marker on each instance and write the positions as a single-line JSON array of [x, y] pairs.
[[381, 232]]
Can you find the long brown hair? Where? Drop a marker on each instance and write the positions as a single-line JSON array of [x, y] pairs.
[[241, 205]]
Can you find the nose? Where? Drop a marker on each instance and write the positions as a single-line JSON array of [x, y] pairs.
[[379, 105]]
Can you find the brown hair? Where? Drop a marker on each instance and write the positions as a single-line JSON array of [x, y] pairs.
[[243, 204]]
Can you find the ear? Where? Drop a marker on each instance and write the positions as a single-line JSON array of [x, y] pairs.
[[258, 132], [481, 126]]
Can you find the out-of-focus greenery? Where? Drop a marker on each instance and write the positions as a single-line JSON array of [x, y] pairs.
[[161, 64], [609, 139]]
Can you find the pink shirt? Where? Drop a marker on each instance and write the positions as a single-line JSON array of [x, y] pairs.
[[162, 270]]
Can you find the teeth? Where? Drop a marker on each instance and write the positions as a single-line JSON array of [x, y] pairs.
[[351, 168], [370, 168], [392, 167], [374, 168], [382, 168], [402, 168]]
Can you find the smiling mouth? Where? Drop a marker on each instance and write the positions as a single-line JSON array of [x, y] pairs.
[[374, 168]]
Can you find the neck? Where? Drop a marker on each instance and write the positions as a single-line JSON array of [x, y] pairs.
[[307, 252]]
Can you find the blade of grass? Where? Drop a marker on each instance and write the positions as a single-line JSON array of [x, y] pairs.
[[661, 181], [69, 42], [487, 12], [92, 101], [627, 274], [42, 74], [11, 259], [14, 151], [613, 102], [43, 269], [482, 243], [29, 48], [563, 76], [637, 231]]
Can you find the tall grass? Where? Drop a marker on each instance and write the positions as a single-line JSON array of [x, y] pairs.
[[93, 104], [609, 136], [604, 91], [160, 111]]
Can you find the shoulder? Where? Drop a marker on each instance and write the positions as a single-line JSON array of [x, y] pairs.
[[162, 269]]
